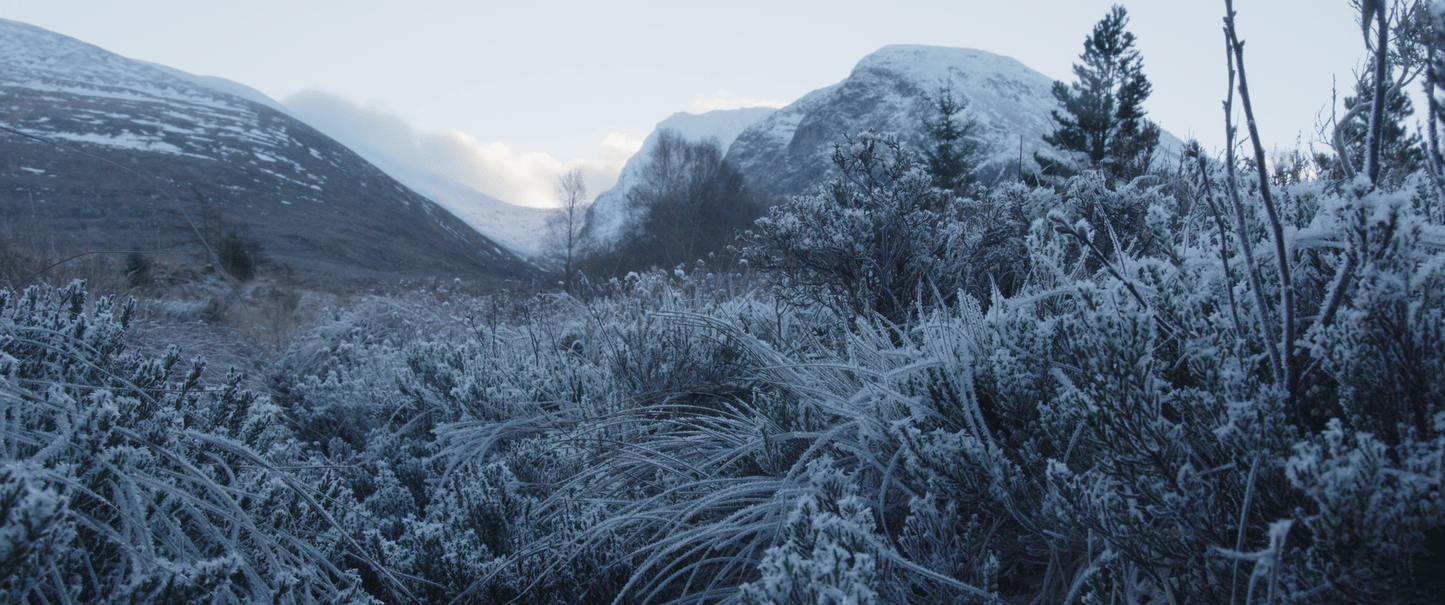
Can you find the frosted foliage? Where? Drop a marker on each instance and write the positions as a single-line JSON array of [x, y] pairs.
[[1372, 512], [827, 558], [868, 242], [34, 524], [1384, 351], [1106, 427], [124, 481], [1064, 394]]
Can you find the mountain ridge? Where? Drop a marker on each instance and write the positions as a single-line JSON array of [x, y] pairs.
[[790, 151], [173, 146]]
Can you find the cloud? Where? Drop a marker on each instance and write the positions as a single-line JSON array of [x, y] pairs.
[[705, 105], [622, 142], [493, 168]]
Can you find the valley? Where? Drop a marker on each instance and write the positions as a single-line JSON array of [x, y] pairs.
[[946, 331]]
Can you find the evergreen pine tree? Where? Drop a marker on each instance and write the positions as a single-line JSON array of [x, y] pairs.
[[949, 150], [1104, 119]]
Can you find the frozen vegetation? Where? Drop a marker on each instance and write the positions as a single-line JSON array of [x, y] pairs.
[[1113, 428], [1078, 391]]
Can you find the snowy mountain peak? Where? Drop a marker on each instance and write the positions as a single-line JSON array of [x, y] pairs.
[[26, 49], [963, 66], [887, 90], [40, 59]]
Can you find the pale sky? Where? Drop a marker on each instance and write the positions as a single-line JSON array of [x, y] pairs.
[[560, 78]]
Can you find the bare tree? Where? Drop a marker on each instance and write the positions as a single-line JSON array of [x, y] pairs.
[[565, 224], [689, 203]]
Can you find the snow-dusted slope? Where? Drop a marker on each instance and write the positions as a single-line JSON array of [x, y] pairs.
[[521, 229], [610, 213], [124, 154], [42, 61], [791, 150]]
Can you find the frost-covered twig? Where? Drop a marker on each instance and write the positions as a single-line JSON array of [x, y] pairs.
[[1286, 351], [1241, 231], [1377, 104]]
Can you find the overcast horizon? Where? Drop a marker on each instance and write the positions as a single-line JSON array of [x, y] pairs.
[[527, 91]]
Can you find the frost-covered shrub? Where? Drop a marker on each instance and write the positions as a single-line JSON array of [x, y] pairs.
[[943, 541], [667, 391], [1381, 345], [828, 555], [1376, 509], [996, 254], [142, 483], [1120, 216], [34, 521], [339, 379], [1374, 472], [874, 240], [880, 239], [478, 432]]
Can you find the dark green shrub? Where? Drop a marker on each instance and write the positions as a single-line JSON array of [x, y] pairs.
[[137, 269], [237, 256]]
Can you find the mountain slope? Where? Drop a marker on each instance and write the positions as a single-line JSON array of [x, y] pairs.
[[390, 145], [791, 150], [101, 152]]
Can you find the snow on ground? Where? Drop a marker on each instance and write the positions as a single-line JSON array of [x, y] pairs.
[[126, 140]]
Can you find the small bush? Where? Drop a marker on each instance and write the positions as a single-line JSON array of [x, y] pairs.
[[237, 256], [137, 269]]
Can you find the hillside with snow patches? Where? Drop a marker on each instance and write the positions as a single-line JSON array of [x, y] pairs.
[[215, 114], [102, 152]]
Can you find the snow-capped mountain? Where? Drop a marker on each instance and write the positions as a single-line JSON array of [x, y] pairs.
[[791, 150], [610, 212], [786, 151], [101, 152]]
